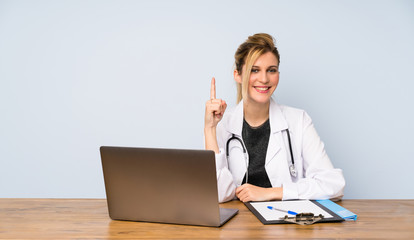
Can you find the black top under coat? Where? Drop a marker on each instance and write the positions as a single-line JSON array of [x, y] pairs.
[[256, 140]]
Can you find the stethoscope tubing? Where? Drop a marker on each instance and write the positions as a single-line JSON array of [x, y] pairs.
[[292, 168]]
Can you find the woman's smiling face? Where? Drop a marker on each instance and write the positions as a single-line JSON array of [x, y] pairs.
[[264, 78]]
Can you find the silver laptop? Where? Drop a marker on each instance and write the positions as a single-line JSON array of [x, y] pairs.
[[163, 185]]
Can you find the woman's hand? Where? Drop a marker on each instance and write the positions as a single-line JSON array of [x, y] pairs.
[[248, 192], [214, 108], [214, 113]]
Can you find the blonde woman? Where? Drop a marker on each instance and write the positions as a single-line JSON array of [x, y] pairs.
[[264, 150]]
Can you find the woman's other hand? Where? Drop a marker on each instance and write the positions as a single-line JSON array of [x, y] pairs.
[[248, 192]]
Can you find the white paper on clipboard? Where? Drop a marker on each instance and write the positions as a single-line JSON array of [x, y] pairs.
[[298, 206]]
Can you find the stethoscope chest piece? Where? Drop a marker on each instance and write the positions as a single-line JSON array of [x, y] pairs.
[[292, 170]]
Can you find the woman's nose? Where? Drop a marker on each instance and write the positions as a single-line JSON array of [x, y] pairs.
[[263, 77]]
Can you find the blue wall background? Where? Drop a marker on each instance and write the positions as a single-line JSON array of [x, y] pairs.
[[75, 75]]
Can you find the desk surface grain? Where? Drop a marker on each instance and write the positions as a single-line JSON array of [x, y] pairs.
[[88, 218]]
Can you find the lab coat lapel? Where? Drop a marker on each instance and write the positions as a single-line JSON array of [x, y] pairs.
[[277, 125], [235, 123], [237, 164]]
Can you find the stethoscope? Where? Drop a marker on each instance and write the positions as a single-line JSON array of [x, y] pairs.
[[292, 168]]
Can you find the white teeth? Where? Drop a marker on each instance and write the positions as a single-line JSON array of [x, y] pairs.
[[262, 89]]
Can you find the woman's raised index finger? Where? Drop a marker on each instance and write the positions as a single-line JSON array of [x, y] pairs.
[[213, 89]]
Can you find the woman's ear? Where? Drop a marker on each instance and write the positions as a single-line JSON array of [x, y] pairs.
[[237, 77]]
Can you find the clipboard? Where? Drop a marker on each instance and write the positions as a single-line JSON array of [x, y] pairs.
[[257, 209]]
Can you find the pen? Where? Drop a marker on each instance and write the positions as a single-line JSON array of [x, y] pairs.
[[277, 209]]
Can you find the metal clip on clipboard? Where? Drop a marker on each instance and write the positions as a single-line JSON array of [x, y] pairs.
[[303, 218]]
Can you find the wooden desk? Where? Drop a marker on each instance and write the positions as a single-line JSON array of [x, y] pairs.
[[88, 218]]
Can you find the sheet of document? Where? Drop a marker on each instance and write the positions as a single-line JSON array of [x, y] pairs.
[[299, 206]]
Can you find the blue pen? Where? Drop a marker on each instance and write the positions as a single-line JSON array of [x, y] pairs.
[[277, 209]]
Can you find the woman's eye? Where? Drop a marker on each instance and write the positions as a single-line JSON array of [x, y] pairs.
[[255, 70], [272, 70]]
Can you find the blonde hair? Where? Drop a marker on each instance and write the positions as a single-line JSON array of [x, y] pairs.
[[247, 54]]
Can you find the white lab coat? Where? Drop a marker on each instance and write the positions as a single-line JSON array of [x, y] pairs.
[[316, 177]]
